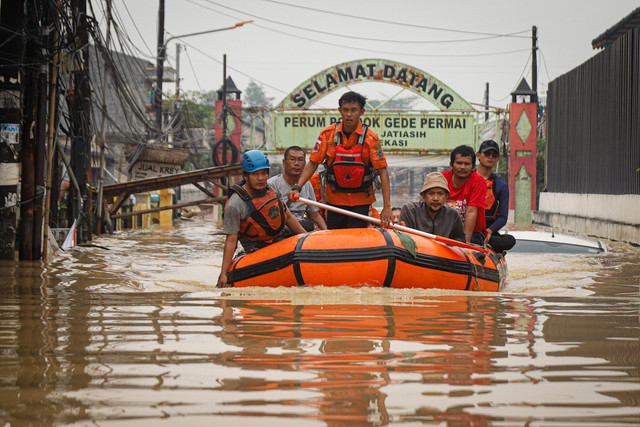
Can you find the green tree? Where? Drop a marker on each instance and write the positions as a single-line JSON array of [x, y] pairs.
[[254, 96], [199, 108]]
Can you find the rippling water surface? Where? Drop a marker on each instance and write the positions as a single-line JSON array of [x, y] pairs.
[[138, 333]]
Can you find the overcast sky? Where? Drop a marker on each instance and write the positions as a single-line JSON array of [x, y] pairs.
[[465, 44]]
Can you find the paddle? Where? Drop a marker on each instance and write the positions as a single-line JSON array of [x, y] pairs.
[[394, 226]]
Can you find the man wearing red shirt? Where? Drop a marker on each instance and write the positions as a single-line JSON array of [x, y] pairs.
[[352, 153], [467, 192]]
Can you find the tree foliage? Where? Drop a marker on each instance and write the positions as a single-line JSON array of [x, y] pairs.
[[254, 96], [200, 108]]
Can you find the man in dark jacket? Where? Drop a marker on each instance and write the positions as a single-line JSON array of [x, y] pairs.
[[431, 215], [497, 199]]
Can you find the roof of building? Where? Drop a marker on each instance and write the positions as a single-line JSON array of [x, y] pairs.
[[628, 23], [231, 87], [523, 88]]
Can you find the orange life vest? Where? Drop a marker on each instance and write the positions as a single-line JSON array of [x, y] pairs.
[[491, 204], [317, 186], [347, 171], [266, 218], [316, 182]]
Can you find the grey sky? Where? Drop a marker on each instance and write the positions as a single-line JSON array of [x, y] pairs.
[[287, 44]]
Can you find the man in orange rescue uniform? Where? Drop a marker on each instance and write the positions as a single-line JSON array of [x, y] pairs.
[[253, 214], [352, 153]]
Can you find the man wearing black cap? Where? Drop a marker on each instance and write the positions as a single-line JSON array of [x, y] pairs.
[[497, 200]]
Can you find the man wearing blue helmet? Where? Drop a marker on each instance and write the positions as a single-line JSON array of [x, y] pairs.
[[253, 213]]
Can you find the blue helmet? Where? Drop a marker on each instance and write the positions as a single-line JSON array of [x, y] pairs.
[[254, 160]]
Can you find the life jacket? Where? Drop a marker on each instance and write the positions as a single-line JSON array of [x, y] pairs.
[[318, 189], [491, 204], [266, 218], [316, 182], [347, 171]]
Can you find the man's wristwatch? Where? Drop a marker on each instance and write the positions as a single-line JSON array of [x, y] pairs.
[[296, 187]]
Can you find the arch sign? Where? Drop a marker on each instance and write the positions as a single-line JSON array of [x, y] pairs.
[[413, 131]]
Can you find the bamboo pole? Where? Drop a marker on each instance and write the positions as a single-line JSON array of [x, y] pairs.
[[53, 90], [441, 239], [105, 81]]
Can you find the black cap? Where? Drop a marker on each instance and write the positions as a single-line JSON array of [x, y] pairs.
[[489, 144]]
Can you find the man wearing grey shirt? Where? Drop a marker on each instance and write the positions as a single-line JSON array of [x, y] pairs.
[[431, 215], [292, 166]]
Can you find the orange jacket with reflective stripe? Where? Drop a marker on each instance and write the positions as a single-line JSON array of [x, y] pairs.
[[371, 154]]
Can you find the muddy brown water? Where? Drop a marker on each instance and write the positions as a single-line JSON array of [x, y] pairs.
[[138, 334]]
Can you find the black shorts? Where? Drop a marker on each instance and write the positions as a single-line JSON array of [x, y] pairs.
[[337, 220]]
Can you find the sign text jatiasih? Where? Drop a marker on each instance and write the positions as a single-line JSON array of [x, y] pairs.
[[414, 131]]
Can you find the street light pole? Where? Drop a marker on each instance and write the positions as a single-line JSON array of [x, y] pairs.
[[162, 49], [157, 96]]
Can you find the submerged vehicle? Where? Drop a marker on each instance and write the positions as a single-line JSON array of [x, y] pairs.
[[551, 242], [376, 257]]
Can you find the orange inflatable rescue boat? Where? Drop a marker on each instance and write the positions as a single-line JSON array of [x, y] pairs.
[[370, 257]]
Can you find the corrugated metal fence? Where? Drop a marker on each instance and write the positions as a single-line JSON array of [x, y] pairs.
[[594, 123]]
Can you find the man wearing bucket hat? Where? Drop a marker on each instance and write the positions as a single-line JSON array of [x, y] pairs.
[[431, 215]]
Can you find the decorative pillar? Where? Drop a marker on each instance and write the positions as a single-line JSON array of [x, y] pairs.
[[522, 156], [227, 145]]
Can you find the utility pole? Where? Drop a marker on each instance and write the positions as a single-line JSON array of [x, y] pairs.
[[29, 110], [486, 102], [41, 150], [81, 128], [103, 126], [224, 108], [12, 22], [162, 48], [534, 63], [49, 202], [178, 71]]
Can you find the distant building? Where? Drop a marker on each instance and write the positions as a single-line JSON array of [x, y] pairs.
[[593, 141], [129, 117]]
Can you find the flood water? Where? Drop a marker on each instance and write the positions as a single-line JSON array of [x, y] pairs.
[[139, 334]]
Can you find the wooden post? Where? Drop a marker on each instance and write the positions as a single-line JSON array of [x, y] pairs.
[[33, 118], [53, 86], [534, 63], [27, 184], [103, 127], [157, 99], [40, 159], [166, 216], [81, 129]]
